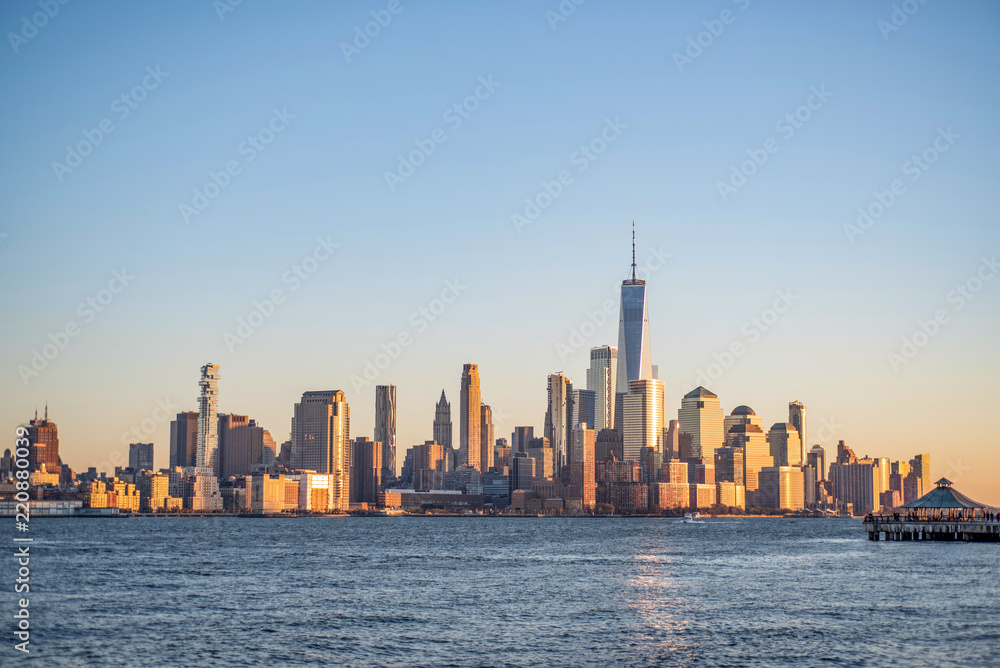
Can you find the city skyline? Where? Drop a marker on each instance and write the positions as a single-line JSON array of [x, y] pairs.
[[773, 270]]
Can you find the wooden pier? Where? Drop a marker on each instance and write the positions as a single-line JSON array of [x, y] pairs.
[[890, 529]]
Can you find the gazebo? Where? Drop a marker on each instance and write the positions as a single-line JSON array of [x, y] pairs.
[[944, 503]]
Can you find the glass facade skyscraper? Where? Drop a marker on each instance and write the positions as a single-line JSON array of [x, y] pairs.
[[208, 412], [634, 360]]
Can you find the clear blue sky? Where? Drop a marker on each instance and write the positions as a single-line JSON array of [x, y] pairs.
[[324, 176]]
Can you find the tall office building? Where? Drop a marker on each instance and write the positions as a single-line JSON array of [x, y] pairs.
[[558, 416], [584, 407], [921, 465], [469, 440], [817, 459], [385, 427], [366, 470], [781, 487], [854, 481], [43, 436], [797, 417], [522, 472], [485, 438], [700, 416], [634, 360], [321, 440], [746, 432], [208, 409], [140, 456], [443, 431], [642, 426], [583, 483], [520, 438], [244, 446], [785, 444], [671, 439], [601, 378], [184, 439]]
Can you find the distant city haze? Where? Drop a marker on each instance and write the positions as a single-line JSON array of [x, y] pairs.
[[807, 276]]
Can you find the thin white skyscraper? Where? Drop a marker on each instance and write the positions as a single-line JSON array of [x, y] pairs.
[[602, 378], [207, 455]]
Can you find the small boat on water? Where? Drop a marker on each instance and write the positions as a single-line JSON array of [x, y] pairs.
[[689, 518]]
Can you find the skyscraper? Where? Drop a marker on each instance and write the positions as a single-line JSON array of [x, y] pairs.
[[43, 435], [184, 439], [469, 426], [584, 407], [208, 408], [485, 438], [443, 430], [558, 414], [746, 432], [643, 418], [634, 361], [140, 456], [385, 428], [797, 417], [816, 458], [785, 444], [602, 377], [700, 416], [321, 440], [366, 470], [520, 437], [244, 446], [583, 466]]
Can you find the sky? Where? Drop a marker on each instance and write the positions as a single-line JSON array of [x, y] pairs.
[[463, 178]]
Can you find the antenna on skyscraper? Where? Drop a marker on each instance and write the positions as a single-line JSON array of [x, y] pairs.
[[633, 250]]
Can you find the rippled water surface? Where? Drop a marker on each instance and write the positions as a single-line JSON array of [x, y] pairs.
[[411, 591]]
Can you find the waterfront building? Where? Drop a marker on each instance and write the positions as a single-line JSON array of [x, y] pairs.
[[854, 481], [670, 495], [642, 426], [244, 446], [558, 416], [601, 379], [321, 440], [634, 358], [781, 487], [702, 496], [675, 470], [746, 432], [385, 428], [521, 473], [366, 470], [701, 417], [544, 455], [469, 443], [784, 444], [582, 466], [184, 439], [207, 455], [429, 466], [485, 438], [620, 484], [140, 456], [730, 494], [202, 492], [43, 437]]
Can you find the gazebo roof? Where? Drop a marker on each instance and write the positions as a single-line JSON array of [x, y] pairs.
[[943, 496]]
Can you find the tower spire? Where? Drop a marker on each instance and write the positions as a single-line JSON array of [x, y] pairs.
[[46, 410], [633, 250]]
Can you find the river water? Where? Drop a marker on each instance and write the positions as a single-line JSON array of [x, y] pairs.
[[437, 591]]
